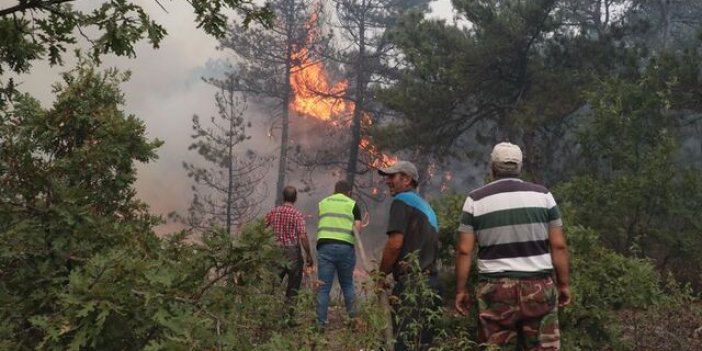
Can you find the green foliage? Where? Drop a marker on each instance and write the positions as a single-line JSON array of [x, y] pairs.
[[634, 187], [605, 285], [81, 267], [479, 79], [171, 296], [226, 191], [448, 210], [622, 303], [519, 71], [33, 30], [66, 194], [414, 308], [365, 332], [673, 324], [437, 58], [457, 333], [211, 17], [603, 282]]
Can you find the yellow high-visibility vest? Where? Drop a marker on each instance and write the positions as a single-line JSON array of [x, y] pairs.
[[336, 218]]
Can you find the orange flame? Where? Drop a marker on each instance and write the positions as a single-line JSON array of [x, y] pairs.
[[448, 176], [379, 159], [315, 96]]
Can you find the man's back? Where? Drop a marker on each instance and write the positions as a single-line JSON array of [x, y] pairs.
[[337, 214], [287, 223], [516, 226], [339, 222], [510, 219]]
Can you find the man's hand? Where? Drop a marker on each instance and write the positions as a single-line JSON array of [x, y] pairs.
[[379, 280], [381, 285], [564, 297], [309, 267], [462, 302]]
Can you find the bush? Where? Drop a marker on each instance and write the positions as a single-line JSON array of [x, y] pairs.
[[603, 282]]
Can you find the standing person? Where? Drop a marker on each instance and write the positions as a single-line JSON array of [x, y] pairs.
[[339, 223], [290, 232], [518, 230], [412, 228]]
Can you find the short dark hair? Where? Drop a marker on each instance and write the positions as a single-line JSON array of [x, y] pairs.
[[342, 187], [289, 194]]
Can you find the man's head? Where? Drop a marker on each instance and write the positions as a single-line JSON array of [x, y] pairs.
[[290, 194], [401, 176], [506, 160], [342, 187]]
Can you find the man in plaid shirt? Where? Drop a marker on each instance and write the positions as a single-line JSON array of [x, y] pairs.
[[288, 224]]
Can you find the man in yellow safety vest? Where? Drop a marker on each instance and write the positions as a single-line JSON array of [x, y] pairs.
[[339, 223]]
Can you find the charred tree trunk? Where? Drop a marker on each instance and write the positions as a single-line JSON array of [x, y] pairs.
[[230, 165], [666, 19], [283, 160], [352, 166]]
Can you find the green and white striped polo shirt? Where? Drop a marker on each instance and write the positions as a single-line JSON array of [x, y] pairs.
[[511, 218]]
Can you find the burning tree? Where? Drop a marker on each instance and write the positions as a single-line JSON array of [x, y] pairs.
[[284, 69], [227, 192], [347, 107], [318, 98], [266, 60], [362, 24]]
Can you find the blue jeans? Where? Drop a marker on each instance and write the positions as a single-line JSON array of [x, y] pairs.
[[339, 259]]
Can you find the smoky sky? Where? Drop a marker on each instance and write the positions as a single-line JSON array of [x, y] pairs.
[[165, 91]]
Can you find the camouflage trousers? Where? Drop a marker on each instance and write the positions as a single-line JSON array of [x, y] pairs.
[[518, 314]]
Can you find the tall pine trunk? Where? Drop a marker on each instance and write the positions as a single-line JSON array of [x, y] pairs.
[[230, 164], [352, 166], [283, 160]]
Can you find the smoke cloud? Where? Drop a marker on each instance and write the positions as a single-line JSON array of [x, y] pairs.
[[166, 89]]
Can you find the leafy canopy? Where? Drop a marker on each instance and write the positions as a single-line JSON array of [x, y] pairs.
[[44, 29]]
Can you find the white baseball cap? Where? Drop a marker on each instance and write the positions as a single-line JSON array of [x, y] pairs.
[[506, 153]]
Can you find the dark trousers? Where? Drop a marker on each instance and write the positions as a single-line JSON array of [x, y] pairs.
[[411, 309], [293, 270]]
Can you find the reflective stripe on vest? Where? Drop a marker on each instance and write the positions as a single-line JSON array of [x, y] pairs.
[[336, 218]]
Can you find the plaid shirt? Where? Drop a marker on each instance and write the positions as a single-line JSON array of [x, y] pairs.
[[287, 223]]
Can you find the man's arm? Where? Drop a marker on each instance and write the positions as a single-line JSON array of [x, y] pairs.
[[391, 252], [356, 219], [464, 256], [306, 246], [267, 219], [304, 241], [559, 257]]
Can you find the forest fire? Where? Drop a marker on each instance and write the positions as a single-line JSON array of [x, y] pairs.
[[379, 159], [315, 96]]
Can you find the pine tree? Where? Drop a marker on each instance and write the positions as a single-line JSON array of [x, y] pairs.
[[227, 192]]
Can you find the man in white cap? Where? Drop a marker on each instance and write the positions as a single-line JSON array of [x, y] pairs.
[[518, 230], [412, 228]]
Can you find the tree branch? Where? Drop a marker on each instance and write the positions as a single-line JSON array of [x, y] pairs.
[[29, 5]]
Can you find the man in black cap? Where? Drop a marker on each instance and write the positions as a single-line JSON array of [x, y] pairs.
[[412, 228]]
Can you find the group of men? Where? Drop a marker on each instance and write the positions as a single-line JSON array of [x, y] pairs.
[[515, 226]]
